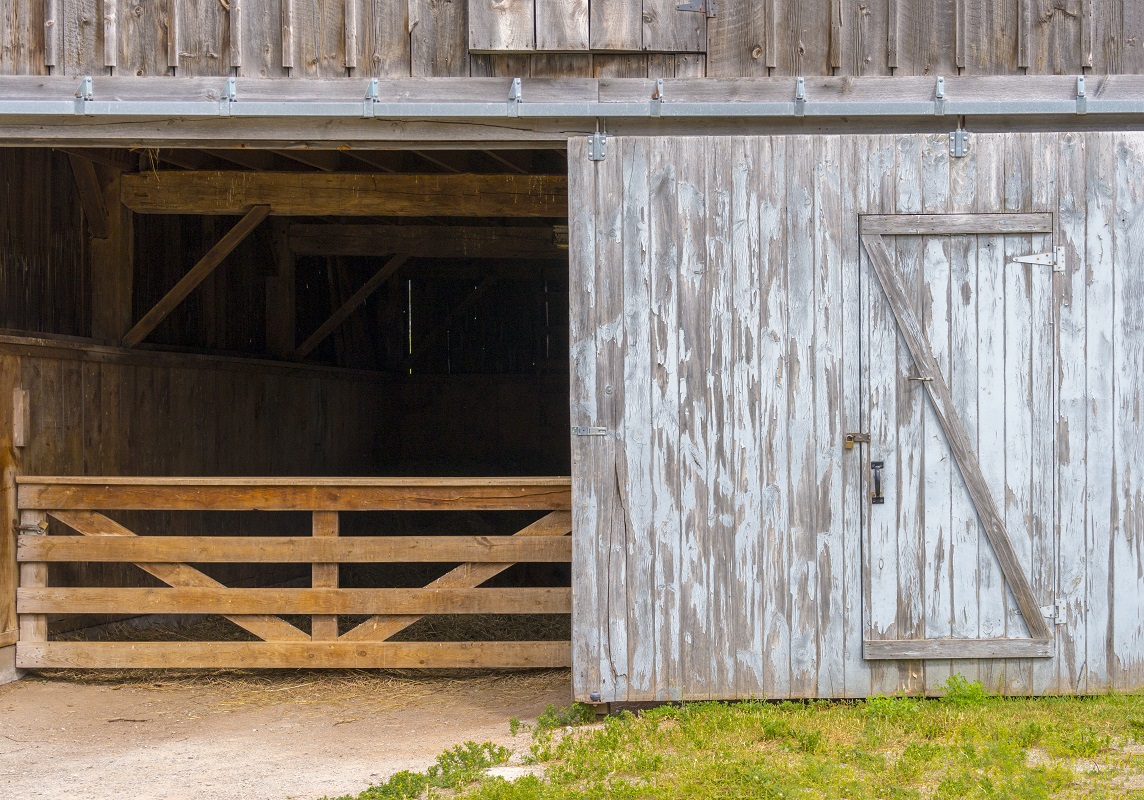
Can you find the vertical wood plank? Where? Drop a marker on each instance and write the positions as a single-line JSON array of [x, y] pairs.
[[802, 572], [324, 627], [665, 29], [582, 319], [110, 32], [502, 25], [828, 433], [695, 279], [9, 516], [744, 431], [319, 40], [1071, 421], [1103, 515], [635, 454], [774, 414], [667, 515], [1128, 452], [438, 36], [51, 32], [937, 464], [561, 24], [33, 627], [736, 39], [205, 38], [172, 25], [387, 39], [350, 14], [286, 22], [236, 37], [615, 25], [112, 270]]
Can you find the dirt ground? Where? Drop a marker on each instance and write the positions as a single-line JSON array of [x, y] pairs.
[[249, 736]]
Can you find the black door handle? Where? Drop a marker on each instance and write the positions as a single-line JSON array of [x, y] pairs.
[[877, 498]]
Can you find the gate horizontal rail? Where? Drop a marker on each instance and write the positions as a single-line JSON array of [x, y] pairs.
[[78, 503]]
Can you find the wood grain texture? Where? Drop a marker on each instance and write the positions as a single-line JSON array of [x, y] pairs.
[[345, 194], [945, 649], [561, 24], [950, 224], [295, 655], [502, 25]]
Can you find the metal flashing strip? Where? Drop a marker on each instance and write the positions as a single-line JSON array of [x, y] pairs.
[[777, 98]]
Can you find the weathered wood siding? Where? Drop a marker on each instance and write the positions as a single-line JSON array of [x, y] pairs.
[[728, 330], [432, 38]]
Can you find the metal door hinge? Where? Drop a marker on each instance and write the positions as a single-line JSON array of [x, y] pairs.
[[580, 430], [1058, 611], [959, 143], [1055, 258], [705, 6], [855, 438], [597, 146]]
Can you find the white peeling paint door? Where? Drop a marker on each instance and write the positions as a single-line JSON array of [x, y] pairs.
[[958, 366]]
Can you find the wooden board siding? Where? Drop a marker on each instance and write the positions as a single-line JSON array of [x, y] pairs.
[[431, 38], [728, 331]]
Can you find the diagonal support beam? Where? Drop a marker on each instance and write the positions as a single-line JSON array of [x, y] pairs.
[[90, 196], [443, 326], [348, 307], [466, 576], [198, 273], [264, 626], [959, 443]]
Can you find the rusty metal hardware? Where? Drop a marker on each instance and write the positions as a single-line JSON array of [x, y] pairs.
[[39, 527], [877, 498], [703, 6], [855, 438]]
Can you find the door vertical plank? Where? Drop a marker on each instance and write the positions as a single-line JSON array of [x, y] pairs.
[[828, 392], [665, 399], [991, 590], [636, 457], [853, 463], [695, 277], [717, 396], [582, 177], [963, 373], [1042, 148], [611, 482], [906, 469], [1100, 210], [324, 627], [803, 487], [561, 24], [1018, 450], [1128, 356], [881, 391], [774, 416], [744, 430], [1072, 403], [937, 465]]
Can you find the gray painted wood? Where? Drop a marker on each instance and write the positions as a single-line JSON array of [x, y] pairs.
[[502, 25], [948, 224], [561, 24], [754, 335]]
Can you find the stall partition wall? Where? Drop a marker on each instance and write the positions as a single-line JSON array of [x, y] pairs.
[[859, 415]]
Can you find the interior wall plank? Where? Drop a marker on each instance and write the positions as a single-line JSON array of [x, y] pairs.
[[1101, 256], [1071, 455]]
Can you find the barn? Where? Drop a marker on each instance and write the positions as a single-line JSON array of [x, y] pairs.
[[736, 349]]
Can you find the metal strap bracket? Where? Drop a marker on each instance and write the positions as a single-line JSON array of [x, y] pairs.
[[959, 143], [515, 98], [372, 95], [229, 95], [702, 6], [939, 97], [1081, 99], [597, 146], [1055, 258], [580, 430], [84, 95], [800, 96], [657, 98]]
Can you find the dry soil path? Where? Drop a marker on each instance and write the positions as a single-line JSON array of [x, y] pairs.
[[248, 737]]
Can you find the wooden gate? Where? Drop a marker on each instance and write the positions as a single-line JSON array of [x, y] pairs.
[[83, 510]]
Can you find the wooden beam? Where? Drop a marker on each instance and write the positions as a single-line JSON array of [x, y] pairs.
[[425, 241], [305, 655], [468, 575], [960, 445], [433, 335], [295, 494], [113, 270], [347, 194], [915, 649], [322, 603], [198, 273], [281, 294], [90, 196], [956, 224], [348, 307], [535, 548], [33, 575], [267, 627], [324, 576]]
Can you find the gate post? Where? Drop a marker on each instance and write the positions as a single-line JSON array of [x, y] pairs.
[[13, 433]]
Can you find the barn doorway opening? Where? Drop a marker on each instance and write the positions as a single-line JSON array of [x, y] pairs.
[[289, 398]]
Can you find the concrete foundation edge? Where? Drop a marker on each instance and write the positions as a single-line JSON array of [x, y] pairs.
[[8, 671]]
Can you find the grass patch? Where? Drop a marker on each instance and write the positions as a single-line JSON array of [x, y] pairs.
[[963, 746], [455, 769]]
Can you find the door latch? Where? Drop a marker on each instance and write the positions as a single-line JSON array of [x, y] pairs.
[[877, 498], [855, 438]]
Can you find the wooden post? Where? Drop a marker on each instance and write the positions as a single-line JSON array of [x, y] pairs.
[[325, 576], [33, 627], [13, 417], [113, 270], [280, 295]]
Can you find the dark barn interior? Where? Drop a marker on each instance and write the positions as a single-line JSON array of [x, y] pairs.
[[407, 344]]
